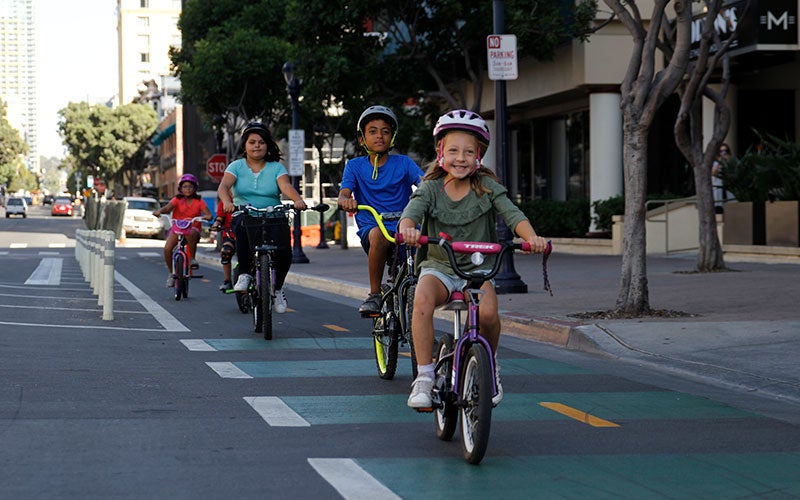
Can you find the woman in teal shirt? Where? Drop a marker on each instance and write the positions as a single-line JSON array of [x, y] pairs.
[[258, 179]]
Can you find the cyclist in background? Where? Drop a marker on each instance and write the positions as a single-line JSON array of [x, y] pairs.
[[222, 224], [382, 181], [461, 198], [257, 179], [187, 204]]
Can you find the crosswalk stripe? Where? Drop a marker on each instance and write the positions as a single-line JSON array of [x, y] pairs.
[[196, 345], [227, 370], [275, 412], [350, 480]]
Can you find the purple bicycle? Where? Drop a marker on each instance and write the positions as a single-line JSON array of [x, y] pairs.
[[181, 259], [465, 368]]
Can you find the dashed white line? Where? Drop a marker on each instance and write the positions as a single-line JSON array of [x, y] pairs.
[[227, 370], [275, 412], [47, 273], [18, 245], [197, 345], [350, 480]]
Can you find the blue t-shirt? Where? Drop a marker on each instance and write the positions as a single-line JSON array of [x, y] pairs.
[[388, 193], [261, 189]]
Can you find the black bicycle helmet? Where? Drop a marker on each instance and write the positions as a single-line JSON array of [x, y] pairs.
[[258, 128]]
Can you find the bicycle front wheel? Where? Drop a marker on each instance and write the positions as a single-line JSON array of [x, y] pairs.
[[476, 404], [177, 270], [265, 293], [385, 332], [409, 313]]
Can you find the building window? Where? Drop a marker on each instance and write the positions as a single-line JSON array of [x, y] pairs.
[[145, 4], [145, 57], [143, 22]]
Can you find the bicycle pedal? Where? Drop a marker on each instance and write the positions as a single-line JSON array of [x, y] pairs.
[[424, 410], [367, 315]]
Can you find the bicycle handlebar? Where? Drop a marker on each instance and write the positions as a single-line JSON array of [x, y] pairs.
[[380, 217], [279, 209], [473, 247]]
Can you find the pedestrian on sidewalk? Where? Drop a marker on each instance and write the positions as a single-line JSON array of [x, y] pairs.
[[459, 197], [382, 181]]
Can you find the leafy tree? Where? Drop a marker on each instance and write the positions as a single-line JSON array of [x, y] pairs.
[[643, 90], [106, 142], [231, 58], [12, 147]]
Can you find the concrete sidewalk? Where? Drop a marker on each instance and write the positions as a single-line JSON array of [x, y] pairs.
[[736, 329]]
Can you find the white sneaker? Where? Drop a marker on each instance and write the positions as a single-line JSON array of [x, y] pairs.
[[280, 302], [242, 283], [170, 280], [499, 397], [421, 390]]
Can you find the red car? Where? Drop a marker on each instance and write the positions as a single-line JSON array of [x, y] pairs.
[[62, 206]]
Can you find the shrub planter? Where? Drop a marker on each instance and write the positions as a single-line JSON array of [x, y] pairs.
[[744, 223], [782, 220]]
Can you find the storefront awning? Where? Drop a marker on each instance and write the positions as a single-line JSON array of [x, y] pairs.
[[162, 136]]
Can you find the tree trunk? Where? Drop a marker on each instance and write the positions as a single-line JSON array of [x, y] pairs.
[[633, 296], [709, 253]]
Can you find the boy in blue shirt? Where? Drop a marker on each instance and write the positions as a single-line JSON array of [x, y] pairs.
[[382, 181]]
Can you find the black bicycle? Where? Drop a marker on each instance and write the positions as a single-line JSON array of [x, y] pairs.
[[391, 327], [260, 294]]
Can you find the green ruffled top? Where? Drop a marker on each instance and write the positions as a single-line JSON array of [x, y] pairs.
[[472, 218]]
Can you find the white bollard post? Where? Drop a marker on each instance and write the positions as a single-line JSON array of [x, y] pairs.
[[108, 276]]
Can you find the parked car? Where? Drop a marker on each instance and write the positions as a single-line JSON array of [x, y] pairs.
[[62, 206], [139, 219], [48, 199], [16, 206]]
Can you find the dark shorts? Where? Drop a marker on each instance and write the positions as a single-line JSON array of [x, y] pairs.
[[390, 251]]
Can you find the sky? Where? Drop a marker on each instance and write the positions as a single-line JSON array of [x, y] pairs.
[[76, 59]]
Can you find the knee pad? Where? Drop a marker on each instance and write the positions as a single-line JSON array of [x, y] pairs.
[[226, 252]]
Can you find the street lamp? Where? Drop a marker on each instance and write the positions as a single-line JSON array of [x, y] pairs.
[[507, 280], [293, 85]]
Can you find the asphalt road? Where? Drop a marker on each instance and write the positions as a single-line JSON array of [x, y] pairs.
[[182, 400]]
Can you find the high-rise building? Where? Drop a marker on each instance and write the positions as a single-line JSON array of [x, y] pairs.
[[146, 29], [18, 71]]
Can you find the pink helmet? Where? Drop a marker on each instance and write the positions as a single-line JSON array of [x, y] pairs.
[[189, 178], [463, 120]]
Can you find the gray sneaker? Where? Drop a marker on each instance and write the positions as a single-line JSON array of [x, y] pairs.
[[242, 283], [421, 390], [170, 281], [280, 302], [371, 306]]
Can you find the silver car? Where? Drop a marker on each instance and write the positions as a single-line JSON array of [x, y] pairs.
[[139, 219], [16, 206]]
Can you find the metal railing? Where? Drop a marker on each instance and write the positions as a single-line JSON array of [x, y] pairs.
[[94, 250], [667, 209]]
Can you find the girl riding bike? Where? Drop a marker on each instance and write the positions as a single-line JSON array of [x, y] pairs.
[[186, 205], [461, 198]]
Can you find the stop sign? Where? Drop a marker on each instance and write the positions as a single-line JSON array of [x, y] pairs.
[[215, 166]]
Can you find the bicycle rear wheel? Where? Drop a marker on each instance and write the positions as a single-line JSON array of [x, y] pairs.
[[476, 404], [177, 271], [385, 332], [265, 295], [446, 414]]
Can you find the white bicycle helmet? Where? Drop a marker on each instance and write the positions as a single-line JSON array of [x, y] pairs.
[[379, 112], [464, 120]]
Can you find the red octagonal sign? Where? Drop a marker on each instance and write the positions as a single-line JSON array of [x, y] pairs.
[[215, 166]]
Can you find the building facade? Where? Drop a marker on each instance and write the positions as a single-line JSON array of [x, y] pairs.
[[565, 122], [18, 75], [146, 29]]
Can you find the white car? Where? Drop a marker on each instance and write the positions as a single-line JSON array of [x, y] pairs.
[[16, 206], [139, 219]]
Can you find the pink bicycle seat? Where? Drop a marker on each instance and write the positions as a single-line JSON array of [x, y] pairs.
[[456, 302]]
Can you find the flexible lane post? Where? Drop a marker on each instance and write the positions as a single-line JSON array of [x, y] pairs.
[[107, 294]]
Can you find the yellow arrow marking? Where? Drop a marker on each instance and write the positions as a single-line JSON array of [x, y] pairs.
[[336, 328], [579, 415]]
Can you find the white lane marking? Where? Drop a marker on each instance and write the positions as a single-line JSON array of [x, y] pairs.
[[18, 245], [49, 253], [197, 345], [149, 254], [227, 370], [38, 308], [83, 327], [168, 321], [275, 412], [350, 480], [57, 245], [47, 273], [4, 252]]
